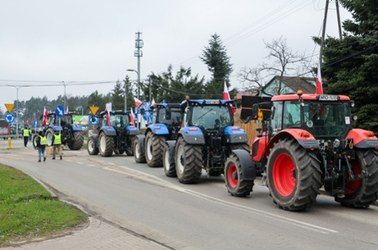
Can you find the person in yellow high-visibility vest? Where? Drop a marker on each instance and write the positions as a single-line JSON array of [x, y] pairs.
[[41, 145], [26, 134], [57, 142]]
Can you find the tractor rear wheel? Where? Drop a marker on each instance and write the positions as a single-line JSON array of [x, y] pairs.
[[169, 160], [78, 141], [91, 147], [139, 155], [154, 149], [363, 191], [233, 172], [129, 146], [188, 160], [294, 175], [106, 145]]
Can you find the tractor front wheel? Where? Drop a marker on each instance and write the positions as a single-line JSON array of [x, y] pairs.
[[106, 145], [188, 160], [234, 173], [78, 141], [139, 155], [91, 147], [169, 160], [294, 175], [154, 149], [363, 190]]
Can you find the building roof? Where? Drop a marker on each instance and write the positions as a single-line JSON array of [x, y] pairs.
[[306, 84]]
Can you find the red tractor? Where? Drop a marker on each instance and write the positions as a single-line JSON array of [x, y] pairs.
[[306, 144]]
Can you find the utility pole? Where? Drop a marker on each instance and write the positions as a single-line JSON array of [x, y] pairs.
[[138, 53], [325, 24]]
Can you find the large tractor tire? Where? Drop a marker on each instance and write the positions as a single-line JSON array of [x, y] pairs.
[[189, 162], [91, 147], [294, 175], [34, 140], [169, 159], [362, 192], [106, 145], [49, 135], [129, 147], [239, 174], [154, 146], [78, 141], [139, 155]]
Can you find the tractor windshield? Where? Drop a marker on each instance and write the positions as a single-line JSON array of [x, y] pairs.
[[321, 119], [168, 116], [327, 119], [119, 121], [211, 116]]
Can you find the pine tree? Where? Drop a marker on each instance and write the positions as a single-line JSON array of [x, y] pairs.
[[350, 64]]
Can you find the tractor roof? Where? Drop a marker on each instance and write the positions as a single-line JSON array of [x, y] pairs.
[[114, 112], [206, 102], [310, 97], [167, 104]]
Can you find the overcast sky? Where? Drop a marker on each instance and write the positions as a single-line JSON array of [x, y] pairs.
[[93, 40]]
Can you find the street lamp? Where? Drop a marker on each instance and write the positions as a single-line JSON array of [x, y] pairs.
[[137, 72]]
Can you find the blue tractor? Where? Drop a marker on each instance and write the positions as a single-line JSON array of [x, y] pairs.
[[112, 133], [72, 134], [205, 141], [149, 147]]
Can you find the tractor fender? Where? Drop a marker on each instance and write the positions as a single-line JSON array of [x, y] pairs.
[[109, 131], [363, 138], [235, 134], [303, 137], [77, 127], [247, 165], [131, 130], [158, 129], [192, 135], [140, 139]]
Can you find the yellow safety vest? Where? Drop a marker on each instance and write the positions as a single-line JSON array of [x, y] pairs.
[[43, 140], [26, 132], [57, 139]]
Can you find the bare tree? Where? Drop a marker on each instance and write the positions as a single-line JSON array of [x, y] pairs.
[[282, 59]]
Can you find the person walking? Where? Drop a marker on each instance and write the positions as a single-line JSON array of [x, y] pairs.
[[57, 142], [41, 142], [26, 134]]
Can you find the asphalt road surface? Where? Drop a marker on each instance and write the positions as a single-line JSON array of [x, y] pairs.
[[199, 216]]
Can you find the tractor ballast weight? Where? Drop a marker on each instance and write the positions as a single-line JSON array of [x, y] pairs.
[[149, 147], [205, 141], [116, 135], [307, 143]]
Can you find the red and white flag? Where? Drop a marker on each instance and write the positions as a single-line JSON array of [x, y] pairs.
[[44, 116], [226, 96], [132, 117], [108, 109], [137, 102], [319, 83]]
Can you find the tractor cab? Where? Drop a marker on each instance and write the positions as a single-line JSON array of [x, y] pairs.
[[209, 115], [324, 116]]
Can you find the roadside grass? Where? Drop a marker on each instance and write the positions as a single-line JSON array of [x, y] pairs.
[[28, 211]]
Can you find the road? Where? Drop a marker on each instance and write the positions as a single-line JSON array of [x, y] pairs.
[[200, 216]]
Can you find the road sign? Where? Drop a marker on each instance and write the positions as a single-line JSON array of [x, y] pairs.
[[59, 110], [9, 117], [94, 109], [9, 106], [93, 120]]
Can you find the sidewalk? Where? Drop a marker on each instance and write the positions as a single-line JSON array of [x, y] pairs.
[[98, 235]]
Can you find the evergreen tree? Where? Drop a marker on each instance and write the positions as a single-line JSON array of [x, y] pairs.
[[218, 63], [128, 87], [350, 65], [118, 96]]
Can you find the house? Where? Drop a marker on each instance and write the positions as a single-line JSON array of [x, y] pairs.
[[289, 84]]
